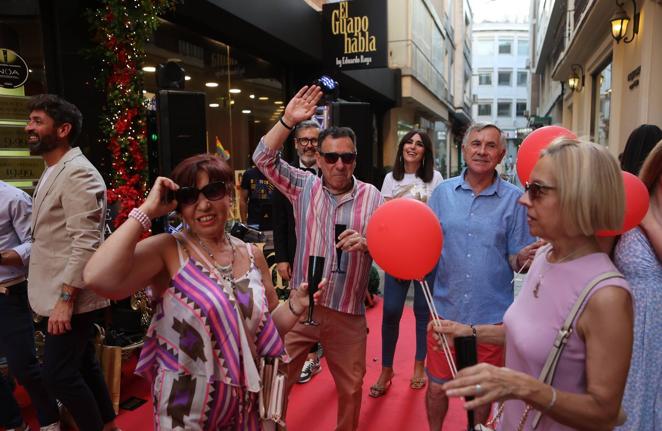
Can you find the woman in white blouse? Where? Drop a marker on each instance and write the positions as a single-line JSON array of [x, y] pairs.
[[413, 177]]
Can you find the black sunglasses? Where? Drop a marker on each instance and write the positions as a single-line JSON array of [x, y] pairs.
[[535, 190], [189, 195], [332, 158]]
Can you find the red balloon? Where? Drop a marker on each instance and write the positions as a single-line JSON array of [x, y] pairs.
[[405, 238], [529, 152], [636, 204]]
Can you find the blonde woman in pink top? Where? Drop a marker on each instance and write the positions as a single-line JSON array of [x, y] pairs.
[[574, 191]]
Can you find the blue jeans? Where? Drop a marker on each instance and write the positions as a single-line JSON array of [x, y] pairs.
[[17, 342], [395, 294], [10, 413], [72, 373]]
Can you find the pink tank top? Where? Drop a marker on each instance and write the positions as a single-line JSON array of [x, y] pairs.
[[531, 324]]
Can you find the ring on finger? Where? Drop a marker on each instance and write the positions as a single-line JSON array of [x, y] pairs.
[[479, 389]]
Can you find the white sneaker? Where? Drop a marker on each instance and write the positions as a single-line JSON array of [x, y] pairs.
[[52, 427], [310, 368]]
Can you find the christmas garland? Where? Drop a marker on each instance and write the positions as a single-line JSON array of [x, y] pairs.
[[121, 28]]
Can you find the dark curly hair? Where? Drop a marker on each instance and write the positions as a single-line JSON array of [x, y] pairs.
[[60, 111]]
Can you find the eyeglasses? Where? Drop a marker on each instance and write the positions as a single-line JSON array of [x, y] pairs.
[[212, 191], [535, 190], [332, 158], [306, 141]]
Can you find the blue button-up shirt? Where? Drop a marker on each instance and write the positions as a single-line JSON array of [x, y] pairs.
[[15, 217], [473, 280]]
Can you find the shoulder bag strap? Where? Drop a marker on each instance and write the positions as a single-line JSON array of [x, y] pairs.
[[547, 373]]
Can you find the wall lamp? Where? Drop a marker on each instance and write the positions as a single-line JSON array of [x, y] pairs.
[[576, 80], [620, 21]]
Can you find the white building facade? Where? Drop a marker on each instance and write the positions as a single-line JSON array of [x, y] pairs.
[[501, 78]]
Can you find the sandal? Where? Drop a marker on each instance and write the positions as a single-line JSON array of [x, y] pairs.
[[377, 391], [418, 382]]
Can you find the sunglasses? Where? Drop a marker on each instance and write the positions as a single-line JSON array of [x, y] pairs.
[[536, 190], [332, 158], [189, 195]]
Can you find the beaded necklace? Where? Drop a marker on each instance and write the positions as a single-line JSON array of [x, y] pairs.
[[224, 270]]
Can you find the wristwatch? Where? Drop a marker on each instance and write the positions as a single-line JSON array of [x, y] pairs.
[[66, 296]]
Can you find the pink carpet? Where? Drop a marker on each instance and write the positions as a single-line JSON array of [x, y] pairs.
[[313, 405]]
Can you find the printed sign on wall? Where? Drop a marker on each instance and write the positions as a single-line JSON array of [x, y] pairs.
[[13, 69], [355, 34]]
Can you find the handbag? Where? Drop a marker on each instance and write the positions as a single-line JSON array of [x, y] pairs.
[[548, 370], [271, 397]]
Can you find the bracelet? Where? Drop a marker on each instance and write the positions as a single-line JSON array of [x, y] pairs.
[[142, 218], [289, 305], [551, 403], [473, 331], [285, 124]]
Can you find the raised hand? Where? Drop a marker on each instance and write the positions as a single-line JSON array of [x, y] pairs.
[[156, 204], [302, 106]]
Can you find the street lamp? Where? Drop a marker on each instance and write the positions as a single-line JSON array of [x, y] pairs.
[[576, 80], [620, 21]]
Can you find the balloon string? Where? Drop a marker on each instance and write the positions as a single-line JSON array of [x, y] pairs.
[[520, 271], [435, 320]]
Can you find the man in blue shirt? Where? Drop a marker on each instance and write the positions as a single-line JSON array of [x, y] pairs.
[[486, 238]]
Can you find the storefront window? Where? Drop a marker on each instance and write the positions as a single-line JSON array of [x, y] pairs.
[[439, 140], [244, 94], [602, 105], [22, 74]]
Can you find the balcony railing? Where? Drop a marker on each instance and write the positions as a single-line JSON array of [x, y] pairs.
[[408, 57], [580, 7]]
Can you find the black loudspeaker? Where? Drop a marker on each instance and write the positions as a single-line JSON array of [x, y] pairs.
[[182, 130], [358, 117], [170, 76]]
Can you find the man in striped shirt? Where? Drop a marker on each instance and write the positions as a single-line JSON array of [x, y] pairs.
[[319, 204]]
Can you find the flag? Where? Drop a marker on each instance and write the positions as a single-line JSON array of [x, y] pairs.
[[221, 150]]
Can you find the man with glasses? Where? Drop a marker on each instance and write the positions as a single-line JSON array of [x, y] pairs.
[[306, 134], [337, 198], [486, 238]]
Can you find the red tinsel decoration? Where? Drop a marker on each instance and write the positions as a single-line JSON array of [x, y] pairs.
[[121, 28]]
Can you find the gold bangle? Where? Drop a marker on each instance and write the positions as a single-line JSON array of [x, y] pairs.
[[289, 305]]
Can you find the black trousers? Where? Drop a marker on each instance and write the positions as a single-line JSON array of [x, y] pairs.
[[72, 373], [17, 343]]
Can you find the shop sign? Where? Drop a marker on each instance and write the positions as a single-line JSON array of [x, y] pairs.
[[355, 35], [14, 108], [13, 69], [12, 137], [21, 168]]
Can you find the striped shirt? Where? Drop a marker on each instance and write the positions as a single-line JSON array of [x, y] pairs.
[[316, 212]]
